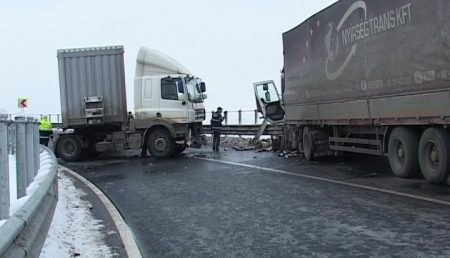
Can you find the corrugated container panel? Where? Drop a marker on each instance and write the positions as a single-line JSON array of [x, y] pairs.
[[358, 50], [90, 72]]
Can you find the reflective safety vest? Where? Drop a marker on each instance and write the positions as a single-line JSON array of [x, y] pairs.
[[45, 125]]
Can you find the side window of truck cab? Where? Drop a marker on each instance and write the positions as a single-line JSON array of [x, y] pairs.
[[169, 88]]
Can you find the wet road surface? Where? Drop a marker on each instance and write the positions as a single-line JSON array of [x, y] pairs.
[[192, 206]]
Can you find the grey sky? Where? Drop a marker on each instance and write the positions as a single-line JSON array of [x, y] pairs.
[[229, 44]]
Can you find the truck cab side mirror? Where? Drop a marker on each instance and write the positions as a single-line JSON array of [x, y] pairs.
[[180, 87], [202, 87]]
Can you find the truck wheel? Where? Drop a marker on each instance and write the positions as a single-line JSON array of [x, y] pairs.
[[402, 152], [69, 147], [434, 151], [308, 144], [160, 144]]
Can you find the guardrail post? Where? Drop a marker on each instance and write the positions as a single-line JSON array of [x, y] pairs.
[[240, 116], [21, 158], [4, 168], [57, 118], [225, 117], [29, 149], [256, 116], [12, 139], [36, 149]]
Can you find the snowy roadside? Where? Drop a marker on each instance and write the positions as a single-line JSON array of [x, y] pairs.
[[74, 231]]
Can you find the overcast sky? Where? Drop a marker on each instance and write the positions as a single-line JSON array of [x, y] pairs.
[[229, 44]]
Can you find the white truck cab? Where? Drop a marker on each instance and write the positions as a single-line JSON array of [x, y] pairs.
[[169, 97]]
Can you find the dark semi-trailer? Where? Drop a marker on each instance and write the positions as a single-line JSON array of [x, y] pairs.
[[369, 77]]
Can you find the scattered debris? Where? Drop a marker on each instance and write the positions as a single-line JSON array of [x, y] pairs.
[[289, 154], [238, 148], [244, 143]]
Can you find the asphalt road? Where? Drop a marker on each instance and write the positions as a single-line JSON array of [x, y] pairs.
[[250, 204]]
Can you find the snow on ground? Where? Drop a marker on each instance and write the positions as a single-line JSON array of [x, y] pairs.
[[74, 232], [12, 179]]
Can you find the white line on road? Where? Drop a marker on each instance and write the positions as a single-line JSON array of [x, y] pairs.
[[331, 181], [124, 231]]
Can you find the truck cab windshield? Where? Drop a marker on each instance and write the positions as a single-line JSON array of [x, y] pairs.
[[193, 89]]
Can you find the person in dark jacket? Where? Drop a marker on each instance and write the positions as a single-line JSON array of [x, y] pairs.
[[216, 126]]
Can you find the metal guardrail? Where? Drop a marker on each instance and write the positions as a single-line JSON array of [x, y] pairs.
[[24, 232], [238, 122], [238, 117], [276, 129], [53, 118], [232, 117]]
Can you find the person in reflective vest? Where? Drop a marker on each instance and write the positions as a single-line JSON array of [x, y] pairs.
[[216, 126], [45, 131]]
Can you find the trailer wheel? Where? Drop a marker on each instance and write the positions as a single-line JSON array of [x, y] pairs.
[[402, 152], [160, 144], [69, 147], [434, 151], [308, 144]]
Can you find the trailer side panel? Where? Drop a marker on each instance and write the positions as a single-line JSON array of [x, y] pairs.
[[369, 59]]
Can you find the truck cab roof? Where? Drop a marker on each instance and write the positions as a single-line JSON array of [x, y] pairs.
[[151, 62]]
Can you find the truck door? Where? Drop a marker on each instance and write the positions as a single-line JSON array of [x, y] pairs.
[[173, 100], [268, 101]]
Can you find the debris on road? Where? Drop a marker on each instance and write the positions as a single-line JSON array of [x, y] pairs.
[[289, 154]]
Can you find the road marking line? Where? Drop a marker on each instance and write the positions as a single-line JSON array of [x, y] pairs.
[[244, 173], [124, 231], [375, 189]]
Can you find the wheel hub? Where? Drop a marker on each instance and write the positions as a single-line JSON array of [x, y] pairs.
[[400, 151], [160, 144], [434, 156], [69, 147]]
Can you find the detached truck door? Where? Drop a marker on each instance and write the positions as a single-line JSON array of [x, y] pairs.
[[268, 101]]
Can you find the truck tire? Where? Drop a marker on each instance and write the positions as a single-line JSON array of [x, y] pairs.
[[69, 147], [402, 152], [160, 143], [434, 151], [308, 144]]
